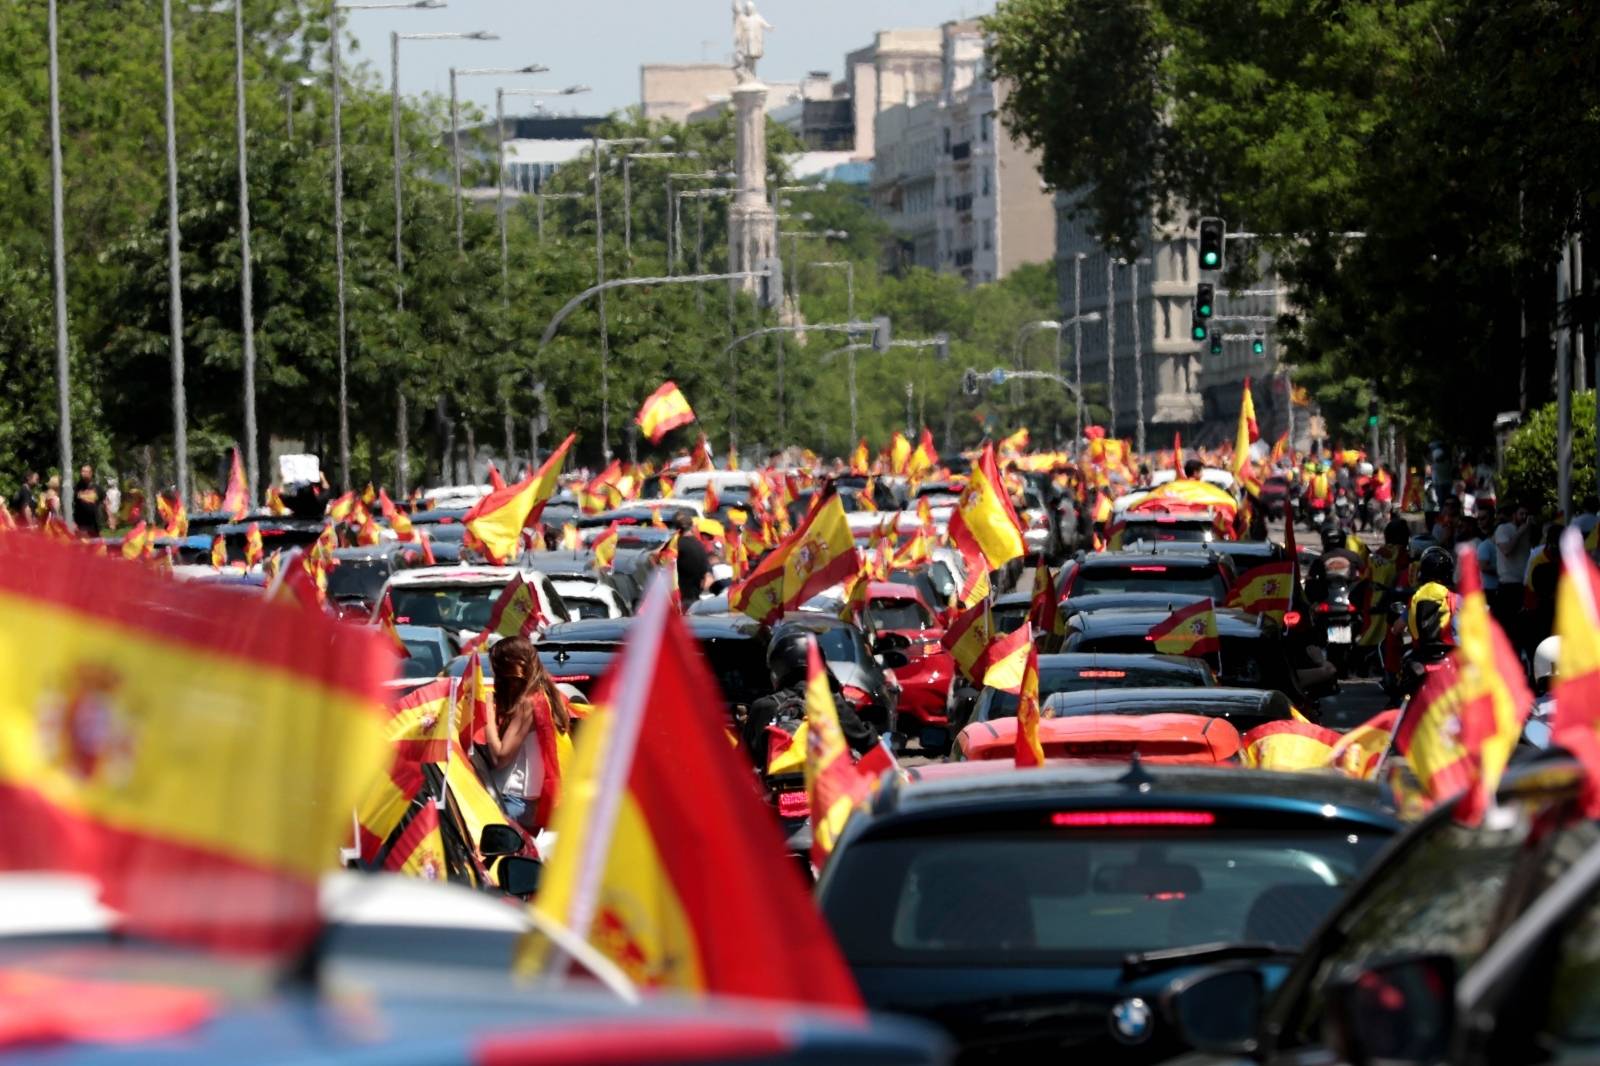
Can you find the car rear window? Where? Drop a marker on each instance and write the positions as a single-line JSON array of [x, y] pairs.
[[1009, 618], [1093, 678], [1149, 577], [898, 614], [452, 606], [1087, 894], [360, 579], [1166, 532]]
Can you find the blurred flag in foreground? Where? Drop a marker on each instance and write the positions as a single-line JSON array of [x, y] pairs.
[[1577, 685], [669, 862], [663, 411], [196, 753]]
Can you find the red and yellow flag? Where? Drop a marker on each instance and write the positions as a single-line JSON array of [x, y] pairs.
[[398, 520], [253, 550], [236, 500], [219, 552], [390, 630], [898, 453], [419, 850], [832, 787], [1359, 751], [474, 705], [142, 736], [419, 723], [861, 459], [137, 544], [275, 504], [663, 411], [1291, 744], [984, 526], [1243, 469], [1029, 751], [1017, 443], [495, 523], [342, 507], [925, 457], [1577, 683], [822, 552], [1266, 589], [605, 547], [650, 772], [1044, 612], [516, 613], [1190, 631]]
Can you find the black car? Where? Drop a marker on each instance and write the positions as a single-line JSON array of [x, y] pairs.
[[1036, 915], [1123, 601], [1092, 673], [1475, 946], [1184, 573], [1147, 529], [634, 514], [845, 652], [277, 534], [735, 648], [1010, 611], [1254, 654], [1243, 554], [360, 573]]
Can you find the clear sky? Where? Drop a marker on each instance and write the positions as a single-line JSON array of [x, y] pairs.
[[602, 43]]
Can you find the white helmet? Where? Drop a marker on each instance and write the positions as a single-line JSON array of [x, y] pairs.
[[1364, 469], [1544, 658]]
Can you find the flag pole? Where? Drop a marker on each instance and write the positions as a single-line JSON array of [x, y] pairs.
[[455, 690]]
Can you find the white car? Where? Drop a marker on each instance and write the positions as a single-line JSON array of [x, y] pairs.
[[450, 497], [590, 599], [461, 598]]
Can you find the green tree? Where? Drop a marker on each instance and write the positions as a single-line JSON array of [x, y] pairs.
[[1530, 472]]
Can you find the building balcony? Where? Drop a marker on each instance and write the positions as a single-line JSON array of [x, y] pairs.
[[961, 151], [963, 204]]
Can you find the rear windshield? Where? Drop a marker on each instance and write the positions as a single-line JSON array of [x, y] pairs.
[[425, 659], [1009, 618], [1086, 895], [840, 645], [1165, 533], [898, 614], [360, 579], [1148, 577], [452, 606], [1089, 678]]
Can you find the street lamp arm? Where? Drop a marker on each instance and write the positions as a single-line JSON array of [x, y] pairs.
[[1000, 375], [617, 283], [831, 327]]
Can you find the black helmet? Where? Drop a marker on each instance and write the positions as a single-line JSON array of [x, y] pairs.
[[1397, 533], [1332, 537], [788, 657], [1436, 564]]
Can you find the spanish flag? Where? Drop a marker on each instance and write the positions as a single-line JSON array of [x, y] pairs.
[[983, 526], [390, 630], [253, 549], [495, 523], [398, 520], [236, 500], [898, 453], [1017, 443], [516, 612], [1577, 684], [136, 545], [1044, 612], [861, 459], [926, 456], [1243, 469], [383, 806], [342, 507], [162, 754], [669, 863], [833, 787], [605, 547], [1291, 744], [968, 637], [473, 705], [419, 723], [219, 552], [1266, 589], [419, 850], [663, 411], [1190, 631], [1004, 662], [1029, 751], [275, 504], [822, 552], [1359, 751]]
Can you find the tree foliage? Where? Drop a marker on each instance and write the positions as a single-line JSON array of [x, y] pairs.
[[1530, 458]]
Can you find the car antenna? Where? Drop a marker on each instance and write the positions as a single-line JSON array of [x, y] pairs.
[[1137, 776]]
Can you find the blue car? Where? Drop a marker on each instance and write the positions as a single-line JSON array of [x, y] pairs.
[[1038, 914]]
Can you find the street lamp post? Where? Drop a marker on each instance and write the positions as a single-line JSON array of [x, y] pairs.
[[500, 167], [700, 196], [58, 263], [1077, 345], [539, 199], [401, 413], [1111, 344], [794, 297], [1138, 355], [455, 131], [180, 419], [247, 324], [674, 239], [627, 191]]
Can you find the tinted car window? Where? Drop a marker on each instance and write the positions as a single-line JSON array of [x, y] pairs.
[[740, 667], [1149, 577], [1085, 896], [425, 660], [454, 606], [1163, 532], [898, 614], [1086, 679], [1009, 617], [585, 608], [841, 645], [358, 579]]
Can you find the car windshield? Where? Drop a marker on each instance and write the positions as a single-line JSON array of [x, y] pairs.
[[585, 607], [1149, 577], [452, 606], [1064, 892], [1009, 617], [840, 645], [898, 614], [425, 659], [1054, 680], [358, 579], [1166, 532]]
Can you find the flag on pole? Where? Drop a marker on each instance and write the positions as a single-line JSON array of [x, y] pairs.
[[143, 735], [832, 787], [651, 772], [1189, 631], [1044, 611], [419, 850], [1029, 751], [1248, 432], [820, 553], [898, 453], [495, 523], [1291, 744], [236, 500], [662, 412], [984, 525], [1266, 589], [861, 459], [136, 545], [605, 547], [219, 552], [398, 520], [1577, 684], [1359, 751], [253, 549]]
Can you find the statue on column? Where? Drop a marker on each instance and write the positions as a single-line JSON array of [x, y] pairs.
[[749, 39]]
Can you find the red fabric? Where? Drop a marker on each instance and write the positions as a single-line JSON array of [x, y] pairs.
[[544, 730], [624, 1042], [38, 1008]]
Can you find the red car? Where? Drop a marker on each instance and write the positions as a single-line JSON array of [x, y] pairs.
[[898, 620], [1158, 738]]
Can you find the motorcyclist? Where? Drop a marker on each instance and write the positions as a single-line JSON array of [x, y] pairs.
[[1335, 548], [1433, 606], [788, 662], [1537, 729], [1319, 492]]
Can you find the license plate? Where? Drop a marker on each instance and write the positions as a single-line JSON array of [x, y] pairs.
[[1338, 634]]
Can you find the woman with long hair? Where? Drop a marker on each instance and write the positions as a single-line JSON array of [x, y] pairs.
[[521, 736]]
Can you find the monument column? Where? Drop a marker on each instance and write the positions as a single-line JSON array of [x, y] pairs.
[[752, 222]]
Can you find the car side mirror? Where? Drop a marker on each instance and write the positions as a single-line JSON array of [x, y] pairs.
[[519, 875], [1218, 1010], [499, 839], [1394, 1011], [892, 660]]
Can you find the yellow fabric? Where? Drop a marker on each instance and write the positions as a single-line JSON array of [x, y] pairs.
[[826, 758], [982, 509], [1286, 751]]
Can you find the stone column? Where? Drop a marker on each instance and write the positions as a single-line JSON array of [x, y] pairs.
[[752, 223]]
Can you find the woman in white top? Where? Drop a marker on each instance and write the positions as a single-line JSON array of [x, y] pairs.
[[520, 738]]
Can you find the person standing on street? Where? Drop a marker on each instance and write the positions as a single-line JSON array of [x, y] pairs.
[[694, 563], [1513, 542], [86, 503], [27, 501]]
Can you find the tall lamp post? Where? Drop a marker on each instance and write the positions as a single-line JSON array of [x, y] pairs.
[[1058, 328], [455, 131], [1138, 354], [58, 263], [247, 322], [401, 415], [500, 167], [338, 219], [180, 418], [795, 236], [627, 191]]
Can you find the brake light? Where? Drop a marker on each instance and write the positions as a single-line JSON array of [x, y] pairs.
[[859, 696], [1103, 675], [1147, 569], [1291, 618], [1117, 819], [793, 804], [1321, 608], [1162, 897]]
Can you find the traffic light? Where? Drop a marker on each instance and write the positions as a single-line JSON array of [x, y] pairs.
[[1205, 300], [882, 334], [941, 347], [1198, 329], [969, 382], [1211, 244], [1372, 414], [1258, 345], [770, 293], [1216, 342]]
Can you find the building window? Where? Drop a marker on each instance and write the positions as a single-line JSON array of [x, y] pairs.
[[947, 140], [983, 129], [988, 236], [986, 182]]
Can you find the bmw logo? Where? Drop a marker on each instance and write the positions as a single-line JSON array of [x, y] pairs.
[[1131, 1021]]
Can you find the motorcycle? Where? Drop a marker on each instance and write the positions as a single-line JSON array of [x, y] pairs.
[[1344, 511], [1337, 618]]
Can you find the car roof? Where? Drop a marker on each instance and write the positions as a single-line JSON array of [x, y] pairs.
[[563, 563], [457, 575], [1116, 621], [893, 590], [1091, 784], [373, 551], [1195, 560], [1122, 601], [1244, 549], [1165, 700], [1069, 660], [615, 630], [1014, 599], [811, 622]]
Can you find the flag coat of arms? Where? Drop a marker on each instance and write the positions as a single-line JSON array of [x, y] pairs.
[[1190, 631], [984, 525]]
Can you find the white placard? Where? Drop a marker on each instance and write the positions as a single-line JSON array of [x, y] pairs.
[[299, 470]]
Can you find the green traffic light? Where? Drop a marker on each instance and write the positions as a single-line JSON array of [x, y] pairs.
[[1199, 333], [1372, 421], [1205, 310], [1258, 346], [1211, 259]]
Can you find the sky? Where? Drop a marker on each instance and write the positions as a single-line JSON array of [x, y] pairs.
[[602, 43]]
